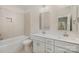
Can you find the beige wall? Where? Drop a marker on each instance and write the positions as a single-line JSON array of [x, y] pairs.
[[27, 23], [32, 18], [31, 21], [14, 28], [55, 12]]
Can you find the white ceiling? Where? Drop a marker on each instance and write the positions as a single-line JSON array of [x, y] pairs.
[[26, 7], [31, 7], [38, 6]]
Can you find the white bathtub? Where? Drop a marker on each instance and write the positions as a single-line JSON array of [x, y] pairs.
[[12, 45]]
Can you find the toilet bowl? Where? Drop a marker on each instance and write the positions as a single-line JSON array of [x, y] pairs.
[[27, 46]]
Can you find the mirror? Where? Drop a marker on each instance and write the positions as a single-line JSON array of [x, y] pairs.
[[63, 18], [65, 23], [62, 23], [44, 21]]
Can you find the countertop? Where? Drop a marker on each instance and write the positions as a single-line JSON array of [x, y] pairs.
[[56, 36]]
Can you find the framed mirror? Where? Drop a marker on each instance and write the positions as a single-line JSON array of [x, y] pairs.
[[65, 23], [62, 23], [44, 21]]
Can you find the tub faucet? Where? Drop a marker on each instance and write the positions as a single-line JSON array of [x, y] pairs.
[[1, 37]]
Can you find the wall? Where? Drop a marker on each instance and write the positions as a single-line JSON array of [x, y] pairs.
[[31, 21], [14, 28], [27, 23], [32, 18], [55, 12]]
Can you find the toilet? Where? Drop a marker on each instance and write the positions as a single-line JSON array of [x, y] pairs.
[[27, 46]]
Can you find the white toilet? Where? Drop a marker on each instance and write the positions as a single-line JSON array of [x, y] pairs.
[[27, 46]]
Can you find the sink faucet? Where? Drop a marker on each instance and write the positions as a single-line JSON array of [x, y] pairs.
[[43, 32], [65, 34]]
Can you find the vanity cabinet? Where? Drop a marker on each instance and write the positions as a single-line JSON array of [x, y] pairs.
[[62, 50], [38, 44], [42, 45], [49, 45], [67, 46]]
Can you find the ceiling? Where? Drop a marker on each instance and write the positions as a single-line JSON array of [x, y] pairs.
[[26, 7], [31, 7]]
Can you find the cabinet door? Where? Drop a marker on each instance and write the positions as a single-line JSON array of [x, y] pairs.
[[61, 50], [38, 46], [49, 48], [66, 45], [49, 41]]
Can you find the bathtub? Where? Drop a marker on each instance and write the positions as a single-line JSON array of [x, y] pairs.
[[12, 45]]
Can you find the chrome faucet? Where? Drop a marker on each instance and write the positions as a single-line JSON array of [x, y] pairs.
[[65, 34], [43, 32]]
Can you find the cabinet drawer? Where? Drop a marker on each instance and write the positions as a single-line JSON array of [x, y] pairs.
[[66, 45], [49, 41], [37, 43], [49, 49], [61, 50], [38, 38]]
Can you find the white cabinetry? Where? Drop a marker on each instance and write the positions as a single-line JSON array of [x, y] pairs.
[[47, 45], [66, 46], [42, 45], [62, 50], [38, 46]]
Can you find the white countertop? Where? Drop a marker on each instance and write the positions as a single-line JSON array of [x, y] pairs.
[[70, 38]]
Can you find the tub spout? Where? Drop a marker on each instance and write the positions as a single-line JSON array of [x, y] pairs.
[[1, 37]]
